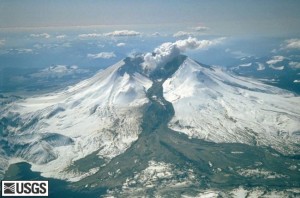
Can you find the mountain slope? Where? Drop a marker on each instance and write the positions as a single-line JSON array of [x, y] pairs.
[[99, 114], [105, 114], [217, 106], [114, 132]]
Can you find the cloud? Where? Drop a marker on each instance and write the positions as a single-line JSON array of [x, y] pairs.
[[292, 44], [58, 71], [294, 65], [123, 33], [52, 45], [182, 33], [91, 35], [24, 50], [2, 42], [156, 34], [61, 36], [21, 50], [201, 28], [121, 44], [196, 31], [42, 35], [104, 55], [161, 55], [167, 51], [261, 66], [246, 65], [275, 59], [114, 33], [238, 54], [276, 68], [193, 43]]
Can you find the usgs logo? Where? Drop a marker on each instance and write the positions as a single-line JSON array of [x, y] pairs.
[[24, 188]]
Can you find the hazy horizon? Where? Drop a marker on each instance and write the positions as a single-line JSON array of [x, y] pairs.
[[230, 18]]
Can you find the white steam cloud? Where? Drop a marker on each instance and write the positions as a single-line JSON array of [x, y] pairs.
[[168, 51], [161, 55]]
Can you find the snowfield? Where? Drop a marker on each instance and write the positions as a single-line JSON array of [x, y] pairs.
[[217, 106], [101, 114]]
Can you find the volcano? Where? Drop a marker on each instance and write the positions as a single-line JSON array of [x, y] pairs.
[[180, 129]]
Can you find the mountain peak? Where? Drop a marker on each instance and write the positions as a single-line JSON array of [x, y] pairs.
[[166, 70], [135, 65], [107, 113], [131, 65], [218, 106]]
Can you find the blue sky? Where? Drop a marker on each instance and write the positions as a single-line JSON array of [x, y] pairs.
[[232, 17], [42, 40]]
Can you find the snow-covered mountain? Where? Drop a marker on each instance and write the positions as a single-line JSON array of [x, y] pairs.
[[217, 106], [100, 114], [104, 114]]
